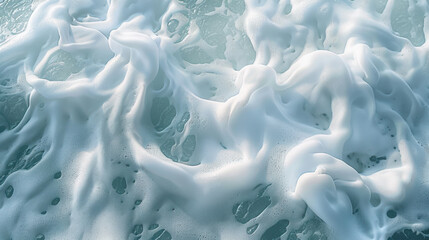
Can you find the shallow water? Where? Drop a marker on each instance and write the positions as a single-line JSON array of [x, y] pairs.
[[214, 119]]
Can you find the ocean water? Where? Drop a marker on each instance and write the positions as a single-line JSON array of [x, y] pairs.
[[214, 119]]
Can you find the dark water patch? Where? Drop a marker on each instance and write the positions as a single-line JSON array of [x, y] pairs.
[[216, 28], [9, 191], [170, 149], [409, 234], [236, 6], [250, 230], [162, 113], [181, 125], [2, 178], [362, 161], [14, 16], [40, 237], [24, 158], [57, 175], [172, 25], [13, 106], [247, 210], [212, 29], [408, 22], [276, 231], [376, 159], [312, 229], [17, 162], [60, 66], [391, 213], [119, 184], [166, 148], [380, 5], [55, 201], [161, 235], [137, 229], [375, 199], [195, 55], [188, 147], [153, 226], [34, 160]]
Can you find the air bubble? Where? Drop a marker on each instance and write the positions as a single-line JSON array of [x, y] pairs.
[[9, 191], [391, 213], [55, 201], [287, 9], [375, 199], [250, 230], [137, 229], [119, 184], [172, 25], [57, 175]]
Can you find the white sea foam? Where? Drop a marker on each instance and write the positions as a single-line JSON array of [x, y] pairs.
[[214, 119]]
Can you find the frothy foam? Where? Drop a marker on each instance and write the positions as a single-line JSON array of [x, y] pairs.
[[214, 119]]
